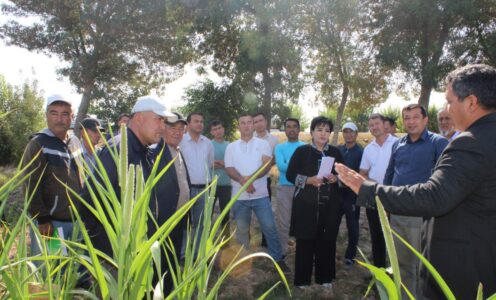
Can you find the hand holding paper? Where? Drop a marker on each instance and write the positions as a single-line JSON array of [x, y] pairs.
[[325, 167]]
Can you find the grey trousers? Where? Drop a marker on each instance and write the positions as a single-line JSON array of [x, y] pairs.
[[409, 228], [284, 200]]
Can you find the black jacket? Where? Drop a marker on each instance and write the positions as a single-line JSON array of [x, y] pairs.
[[161, 207], [57, 160], [461, 197], [309, 220]]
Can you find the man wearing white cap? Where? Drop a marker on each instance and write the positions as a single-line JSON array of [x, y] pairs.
[[145, 128], [352, 156], [53, 152]]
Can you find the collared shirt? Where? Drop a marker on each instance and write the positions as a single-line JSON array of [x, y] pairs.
[[272, 140], [352, 156], [182, 178], [199, 158], [413, 162], [246, 158], [375, 158], [219, 152], [283, 153], [89, 158]]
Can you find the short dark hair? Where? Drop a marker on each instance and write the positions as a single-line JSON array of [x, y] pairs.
[[391, 120], [478, 80], [259, 113], [291, 120], [377, 116], [123, 115], [321, 120], [216, 123], [244, 114], [195, 113], [413, 106]]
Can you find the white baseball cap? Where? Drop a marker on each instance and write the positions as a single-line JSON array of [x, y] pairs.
[[54, 98], [150, 103], [350, 125]]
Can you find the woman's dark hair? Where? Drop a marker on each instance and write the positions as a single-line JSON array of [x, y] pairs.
[[321, 120]]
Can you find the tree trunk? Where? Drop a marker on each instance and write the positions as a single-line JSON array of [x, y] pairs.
[[83, 108], [267, 97], [339, 114], [425, 92]]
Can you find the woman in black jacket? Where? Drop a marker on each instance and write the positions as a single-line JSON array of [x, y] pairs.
[[314, 221]]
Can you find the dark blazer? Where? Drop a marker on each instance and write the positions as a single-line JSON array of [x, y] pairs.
[[168, 190], [461, 197], [309, 220]]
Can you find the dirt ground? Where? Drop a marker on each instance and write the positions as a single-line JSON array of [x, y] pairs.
[[251, 280]]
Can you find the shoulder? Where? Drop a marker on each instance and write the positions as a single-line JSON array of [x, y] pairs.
[[437, 138]]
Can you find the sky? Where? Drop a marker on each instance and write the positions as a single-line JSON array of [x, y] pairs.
[[18, 65]]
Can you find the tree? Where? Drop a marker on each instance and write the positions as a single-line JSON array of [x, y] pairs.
[[23, 108], [216, 102], [105, 43], [413, 36], [341, 60], [475, 41], [249, 43]]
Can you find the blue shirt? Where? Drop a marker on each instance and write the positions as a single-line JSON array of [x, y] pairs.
[[283, 153], [219, 151], [413, 162], [352, 156]]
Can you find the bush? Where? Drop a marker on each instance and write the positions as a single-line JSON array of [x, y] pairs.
[[23, 109]]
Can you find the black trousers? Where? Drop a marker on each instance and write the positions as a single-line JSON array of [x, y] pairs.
[[318, 253], [348, 208], [378, 243], [223, 193], [269, 181]]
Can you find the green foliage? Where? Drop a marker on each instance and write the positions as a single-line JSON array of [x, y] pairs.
[[127, 274], [432, 115], [341, 63], [216, 101], [425, 39], [23, 106], [106, 45], [282, 111], [250, 44], [395, 114]]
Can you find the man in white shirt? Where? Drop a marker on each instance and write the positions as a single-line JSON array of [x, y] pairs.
[[198, 154], [373, 166], [244, 158], [261, 132]]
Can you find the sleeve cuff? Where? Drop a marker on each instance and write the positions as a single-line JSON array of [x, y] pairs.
[[300, 181], [366, 195]]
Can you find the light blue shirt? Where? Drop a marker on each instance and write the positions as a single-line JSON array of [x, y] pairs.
[[283, 153], [219, 151]]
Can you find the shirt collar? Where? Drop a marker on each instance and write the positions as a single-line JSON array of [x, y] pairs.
[[423, 136], [326, 147], [135, 143], [262, 137], [48, 132]]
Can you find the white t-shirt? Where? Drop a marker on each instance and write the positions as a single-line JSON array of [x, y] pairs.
[[375, 158], [199, 158], [246, 158], [273, 140]]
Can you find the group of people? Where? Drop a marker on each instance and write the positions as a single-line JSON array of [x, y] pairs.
[[450, 182]]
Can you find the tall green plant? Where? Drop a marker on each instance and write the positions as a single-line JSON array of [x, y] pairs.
[[391, 288]]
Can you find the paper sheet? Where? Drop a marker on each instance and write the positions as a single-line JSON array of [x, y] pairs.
[[326, 166]]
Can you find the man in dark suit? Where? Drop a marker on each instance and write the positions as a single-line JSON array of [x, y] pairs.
[[174, 191], [461, 193]]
